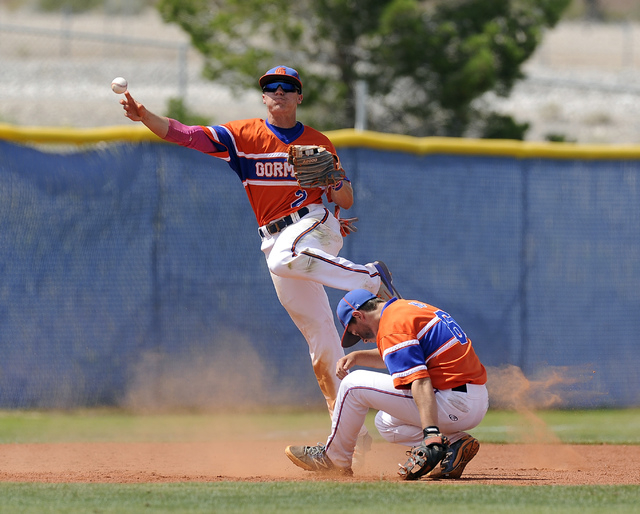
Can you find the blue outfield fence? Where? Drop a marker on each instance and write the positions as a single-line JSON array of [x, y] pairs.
[[132, 273]]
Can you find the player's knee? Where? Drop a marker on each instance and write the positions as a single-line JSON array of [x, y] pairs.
[[351, 381], [395, 430], [354, 378], [380, 422], [383, 424]]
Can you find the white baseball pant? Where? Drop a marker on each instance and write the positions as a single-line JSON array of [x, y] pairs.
[[398, 419], [302, 259]]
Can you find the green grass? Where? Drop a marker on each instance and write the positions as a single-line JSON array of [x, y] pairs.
[[589, 427], [577, 426], [309, 497], [119, 426]]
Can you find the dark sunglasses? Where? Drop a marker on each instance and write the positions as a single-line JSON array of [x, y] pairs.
[[286, 87]]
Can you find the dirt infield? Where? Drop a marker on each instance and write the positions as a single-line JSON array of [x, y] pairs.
[[549, 464]]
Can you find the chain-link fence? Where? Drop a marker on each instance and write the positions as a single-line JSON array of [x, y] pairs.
[[582, 81], [132, 274]]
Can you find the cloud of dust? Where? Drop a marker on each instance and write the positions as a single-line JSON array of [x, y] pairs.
[[510, 389], [225, 374], [552, 387]]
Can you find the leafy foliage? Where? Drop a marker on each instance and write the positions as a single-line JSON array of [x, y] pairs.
[[80, 6], [425, 62], [497, 126], [554, 137]]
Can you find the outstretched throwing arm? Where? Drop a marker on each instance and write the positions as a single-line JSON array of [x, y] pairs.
[[135, 111]]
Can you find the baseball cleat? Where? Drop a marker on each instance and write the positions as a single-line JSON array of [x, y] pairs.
[[386, 290], [314, 458], [458, 456]]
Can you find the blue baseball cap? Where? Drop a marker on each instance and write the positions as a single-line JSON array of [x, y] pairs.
[[281, 74], [352, 301]]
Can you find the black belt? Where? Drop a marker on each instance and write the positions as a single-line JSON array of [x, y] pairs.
[[460, 389], [276, 226]]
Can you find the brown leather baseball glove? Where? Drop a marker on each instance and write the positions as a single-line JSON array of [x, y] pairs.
[[424, 457], [314, 166]]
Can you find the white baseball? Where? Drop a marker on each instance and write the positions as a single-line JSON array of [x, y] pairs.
[[119, 85]]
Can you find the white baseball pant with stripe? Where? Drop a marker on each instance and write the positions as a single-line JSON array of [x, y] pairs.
[[302, 258], [398, 419]]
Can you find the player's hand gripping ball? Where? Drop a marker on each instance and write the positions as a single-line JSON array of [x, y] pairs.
[[119, 85]]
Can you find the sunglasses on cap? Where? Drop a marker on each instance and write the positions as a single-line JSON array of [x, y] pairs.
[[286, 87]]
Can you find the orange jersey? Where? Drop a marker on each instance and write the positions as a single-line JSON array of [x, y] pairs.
[[259, 158], [417, 340]]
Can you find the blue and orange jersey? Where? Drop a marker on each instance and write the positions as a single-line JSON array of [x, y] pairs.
[[259, 158], [417, 340]]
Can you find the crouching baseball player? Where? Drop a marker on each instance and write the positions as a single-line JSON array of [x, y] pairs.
[[435, 390]]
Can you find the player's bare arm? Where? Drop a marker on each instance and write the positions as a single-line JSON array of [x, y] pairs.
[[366, 358], [135, 111], [425, 398], [343, 197]]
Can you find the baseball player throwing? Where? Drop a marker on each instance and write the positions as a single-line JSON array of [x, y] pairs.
[[434, 392], [300, 237]]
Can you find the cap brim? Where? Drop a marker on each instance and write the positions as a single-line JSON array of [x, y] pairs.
[[349, 339], [265, 79]]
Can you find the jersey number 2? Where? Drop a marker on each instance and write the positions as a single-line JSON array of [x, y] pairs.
[[302, 196]]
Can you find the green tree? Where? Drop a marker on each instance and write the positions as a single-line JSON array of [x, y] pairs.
[[425, 62], [497, 126]]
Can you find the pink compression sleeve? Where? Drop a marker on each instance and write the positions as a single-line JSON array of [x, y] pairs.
[[190, 136]]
